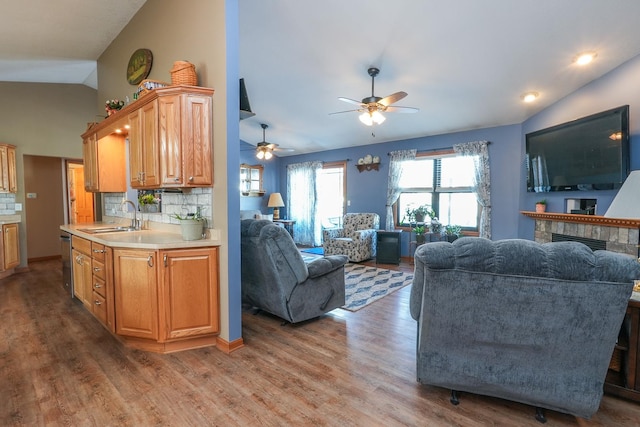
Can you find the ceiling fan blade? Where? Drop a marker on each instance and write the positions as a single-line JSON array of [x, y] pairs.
[[284, 150], [351, 101], [346, 111], [399, 109], [395, 97]]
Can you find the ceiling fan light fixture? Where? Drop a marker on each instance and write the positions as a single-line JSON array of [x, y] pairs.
[[369, 118], [268, 155], [260, 154]]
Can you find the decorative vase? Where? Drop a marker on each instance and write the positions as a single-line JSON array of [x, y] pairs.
[[153, 208], [540, 207], [192, 229], [420, 239]]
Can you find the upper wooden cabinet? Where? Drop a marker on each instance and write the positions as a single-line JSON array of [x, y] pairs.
[[170, 138], [144, 162], [8, 169], [104, 162]]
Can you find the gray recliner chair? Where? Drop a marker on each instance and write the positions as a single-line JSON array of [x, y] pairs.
[[276, 279], [515, 319]]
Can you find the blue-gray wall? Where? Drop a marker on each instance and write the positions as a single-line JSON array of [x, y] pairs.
[[366, 190]]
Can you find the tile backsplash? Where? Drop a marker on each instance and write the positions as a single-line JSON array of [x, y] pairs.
[[7, 204], [172, 203]]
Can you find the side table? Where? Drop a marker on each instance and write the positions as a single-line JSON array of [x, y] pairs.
[[623, 378], [288, 225], [388, 246]]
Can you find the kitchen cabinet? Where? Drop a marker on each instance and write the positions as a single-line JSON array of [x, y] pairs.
[[144, 163], [81, 269], [104, 163], [10, 246], [8, 169], [166, 297], [136, 293], [189, 291], [185, 139], [170, 141], [102, 285]]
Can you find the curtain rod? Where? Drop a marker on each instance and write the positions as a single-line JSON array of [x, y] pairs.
[[436, 149]]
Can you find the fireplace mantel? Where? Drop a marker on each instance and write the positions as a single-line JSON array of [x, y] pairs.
[[584, 219]]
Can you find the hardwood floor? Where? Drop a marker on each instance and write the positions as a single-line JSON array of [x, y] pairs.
[[59, 366]]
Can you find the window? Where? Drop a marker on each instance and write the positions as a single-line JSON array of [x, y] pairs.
[[444, 182], [330, 198], [251, 180]]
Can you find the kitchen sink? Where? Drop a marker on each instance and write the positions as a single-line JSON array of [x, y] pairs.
[[99, 230]]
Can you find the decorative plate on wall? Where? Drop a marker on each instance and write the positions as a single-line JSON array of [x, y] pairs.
[[139, 66]]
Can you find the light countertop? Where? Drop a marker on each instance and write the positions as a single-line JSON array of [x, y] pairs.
[[140, 239], [10, 219]]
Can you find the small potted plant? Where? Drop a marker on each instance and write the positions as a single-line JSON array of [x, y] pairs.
[[148, 203], [191, 225], [541, 205], [452, 232], [421, 212], [113, 105], [420, 230]]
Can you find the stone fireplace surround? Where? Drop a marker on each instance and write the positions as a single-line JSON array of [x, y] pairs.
[[615, 234]]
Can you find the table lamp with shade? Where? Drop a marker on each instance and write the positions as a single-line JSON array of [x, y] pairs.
[[275, 202]]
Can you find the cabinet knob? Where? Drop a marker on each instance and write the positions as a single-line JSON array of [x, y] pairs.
[[99, 251], [96, 268], [190, 179], [97, 285], [97, 302]]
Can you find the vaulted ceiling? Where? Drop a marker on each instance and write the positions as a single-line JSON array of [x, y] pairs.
[[464, 64]]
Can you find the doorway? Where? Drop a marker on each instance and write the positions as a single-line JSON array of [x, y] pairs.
[[80, 206]]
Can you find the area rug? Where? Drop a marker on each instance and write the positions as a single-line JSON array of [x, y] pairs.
[[317, 251], [364, 284]]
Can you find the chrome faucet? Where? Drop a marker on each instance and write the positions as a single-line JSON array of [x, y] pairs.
[[135, 222]]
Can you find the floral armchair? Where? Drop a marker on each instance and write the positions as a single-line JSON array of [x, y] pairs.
[[356, 239]]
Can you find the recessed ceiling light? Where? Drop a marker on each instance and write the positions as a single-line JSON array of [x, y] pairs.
[[530, 96], [585, 57]]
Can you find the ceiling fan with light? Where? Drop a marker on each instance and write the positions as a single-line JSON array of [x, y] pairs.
[[373, 106], [264, 149]]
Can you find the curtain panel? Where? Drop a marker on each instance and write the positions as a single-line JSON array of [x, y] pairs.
[[482, 180], [301, 201], [395, 172]]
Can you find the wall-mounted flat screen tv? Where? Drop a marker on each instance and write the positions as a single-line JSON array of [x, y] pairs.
[[591, 153]]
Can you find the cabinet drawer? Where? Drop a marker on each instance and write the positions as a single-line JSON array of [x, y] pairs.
[[97, 251], [97, 268], [99, 309], [81, 245], [99, 286]]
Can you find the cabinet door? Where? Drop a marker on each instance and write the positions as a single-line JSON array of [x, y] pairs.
[[90, 160], [4, 169], [189, 286], [197, 140], [11, 239], [144, 165], [136, 295], [82, 277], [170, 141], [11, 170]]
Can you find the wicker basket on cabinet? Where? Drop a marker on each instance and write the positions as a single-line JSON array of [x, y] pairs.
[[184, 73]]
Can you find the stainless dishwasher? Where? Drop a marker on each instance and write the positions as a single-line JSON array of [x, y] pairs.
[[65, 248]]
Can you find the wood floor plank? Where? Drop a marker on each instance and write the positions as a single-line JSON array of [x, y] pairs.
[[60, 367]]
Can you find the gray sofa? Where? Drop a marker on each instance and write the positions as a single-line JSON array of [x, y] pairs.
[[276, 279], [514, 319]]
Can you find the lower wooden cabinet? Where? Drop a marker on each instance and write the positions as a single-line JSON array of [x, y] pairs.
[[10, 246], [136, 293], [189, 292], [81, 267], [166, 300]]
